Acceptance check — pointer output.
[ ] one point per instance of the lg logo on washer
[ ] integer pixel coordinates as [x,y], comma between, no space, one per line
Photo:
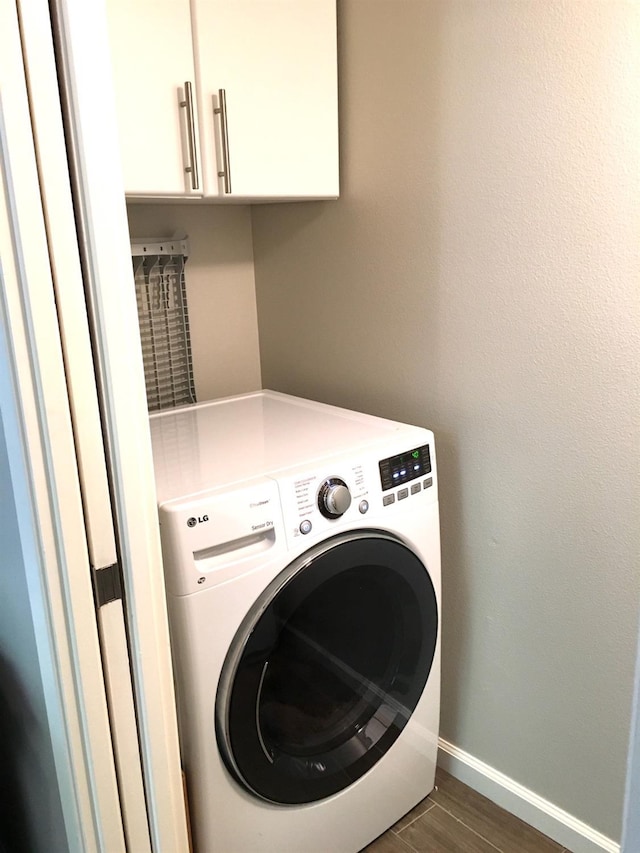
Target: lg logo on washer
[191,522]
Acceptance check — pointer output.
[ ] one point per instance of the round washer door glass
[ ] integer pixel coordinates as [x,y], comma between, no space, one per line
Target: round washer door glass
[327,668]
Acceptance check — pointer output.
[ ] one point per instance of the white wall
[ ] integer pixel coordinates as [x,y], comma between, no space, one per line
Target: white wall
[480,275]
[220,290]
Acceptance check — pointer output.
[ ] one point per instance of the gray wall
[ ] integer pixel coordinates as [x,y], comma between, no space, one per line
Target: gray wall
[31,816]
[480,275]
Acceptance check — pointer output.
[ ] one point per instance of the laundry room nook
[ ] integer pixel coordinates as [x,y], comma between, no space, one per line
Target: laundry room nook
[459,283]
[473,278]
[330,308]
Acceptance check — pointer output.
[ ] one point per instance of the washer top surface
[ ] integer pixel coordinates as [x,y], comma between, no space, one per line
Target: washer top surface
[209,445]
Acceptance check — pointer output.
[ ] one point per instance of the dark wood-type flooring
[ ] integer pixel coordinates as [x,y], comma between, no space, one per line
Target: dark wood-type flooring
[455,819]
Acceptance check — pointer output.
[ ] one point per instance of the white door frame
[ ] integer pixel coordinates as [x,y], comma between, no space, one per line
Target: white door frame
[631,816]
[81,32]
[51,155]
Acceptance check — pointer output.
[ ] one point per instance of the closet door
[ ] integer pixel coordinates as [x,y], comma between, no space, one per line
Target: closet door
[44,485]
[96,326]
[153,73]
[267,82]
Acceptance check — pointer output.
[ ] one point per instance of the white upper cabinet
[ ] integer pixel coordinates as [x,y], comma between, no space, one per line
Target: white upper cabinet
[153,70]
[276,131]
[264,119]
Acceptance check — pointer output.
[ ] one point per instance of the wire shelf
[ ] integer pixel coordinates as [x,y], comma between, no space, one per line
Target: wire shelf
[163,317]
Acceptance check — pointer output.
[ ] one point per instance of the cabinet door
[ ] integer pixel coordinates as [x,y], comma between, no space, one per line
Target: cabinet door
[152,58]
[276,62]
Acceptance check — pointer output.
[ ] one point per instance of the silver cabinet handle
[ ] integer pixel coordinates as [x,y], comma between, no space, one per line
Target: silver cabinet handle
[221,110]
[192,168]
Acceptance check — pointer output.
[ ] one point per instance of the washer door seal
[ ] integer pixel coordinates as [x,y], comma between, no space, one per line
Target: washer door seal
[327,668]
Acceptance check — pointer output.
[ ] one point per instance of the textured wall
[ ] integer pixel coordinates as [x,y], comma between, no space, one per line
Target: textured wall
[480,275]
[220,290]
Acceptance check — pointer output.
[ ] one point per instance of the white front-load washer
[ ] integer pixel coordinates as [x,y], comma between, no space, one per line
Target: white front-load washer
[302,562]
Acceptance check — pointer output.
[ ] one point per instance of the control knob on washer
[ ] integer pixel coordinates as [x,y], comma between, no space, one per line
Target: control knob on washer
[334,498]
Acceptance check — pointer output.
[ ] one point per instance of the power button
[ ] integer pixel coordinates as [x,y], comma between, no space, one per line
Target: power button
[363,506]
[305,526]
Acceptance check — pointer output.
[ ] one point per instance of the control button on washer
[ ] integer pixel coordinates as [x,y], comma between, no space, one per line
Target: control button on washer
[363,506]
[305,526]
[415,488]
[402,494]
[388,499]
[428,482]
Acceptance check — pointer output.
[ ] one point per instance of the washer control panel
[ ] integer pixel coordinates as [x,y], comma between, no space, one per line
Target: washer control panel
[334,497]
[402,494]
[314,501]
[343,490]
[404,467]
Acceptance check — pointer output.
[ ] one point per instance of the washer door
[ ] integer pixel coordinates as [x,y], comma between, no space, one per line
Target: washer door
[327,668]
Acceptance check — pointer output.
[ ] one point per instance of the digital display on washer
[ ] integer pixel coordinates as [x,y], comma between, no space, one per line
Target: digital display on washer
[404,467]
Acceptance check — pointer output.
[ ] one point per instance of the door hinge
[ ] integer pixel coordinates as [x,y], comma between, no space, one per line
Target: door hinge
[106,584]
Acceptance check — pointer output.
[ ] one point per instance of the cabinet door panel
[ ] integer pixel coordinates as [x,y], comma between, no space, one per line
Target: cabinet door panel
[276,61]
[152,55]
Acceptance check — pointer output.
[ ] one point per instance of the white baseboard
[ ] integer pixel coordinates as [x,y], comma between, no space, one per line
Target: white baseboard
[559,825]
